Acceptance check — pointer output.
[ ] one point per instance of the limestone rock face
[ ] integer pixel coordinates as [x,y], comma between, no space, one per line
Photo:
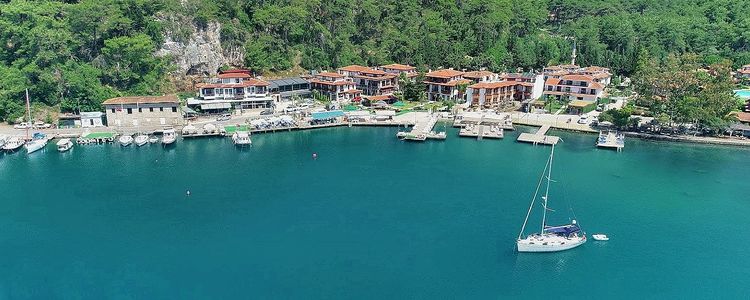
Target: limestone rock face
[196,51]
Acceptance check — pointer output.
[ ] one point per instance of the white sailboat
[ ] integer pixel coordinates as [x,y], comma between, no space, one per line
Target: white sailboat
[39,140]
[125,140]
[64,145]
[37,143]
[169,136]
[551,238]
[241,138]
[141,140]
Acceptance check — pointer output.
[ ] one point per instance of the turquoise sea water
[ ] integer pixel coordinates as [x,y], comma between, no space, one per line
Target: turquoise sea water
[371,218]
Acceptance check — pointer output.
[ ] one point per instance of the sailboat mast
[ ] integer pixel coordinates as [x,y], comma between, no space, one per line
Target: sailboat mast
[28,111]
[546,193]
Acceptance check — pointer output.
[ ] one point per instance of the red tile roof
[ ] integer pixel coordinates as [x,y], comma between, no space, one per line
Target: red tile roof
[380,97]
[574,77]
[330,74]
[234,75]
[444,73]
[743,117]
[326,82]
[142,100]
[478,74]
[354,68]
[399,67]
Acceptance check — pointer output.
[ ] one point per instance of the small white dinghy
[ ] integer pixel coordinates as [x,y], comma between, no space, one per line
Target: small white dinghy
[600,237]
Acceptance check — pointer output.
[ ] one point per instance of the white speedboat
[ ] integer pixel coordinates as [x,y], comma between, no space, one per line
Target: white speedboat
[169,136]
[35,145]
[241,138]
[153,140]
[141,140]
[600,237]
[125,140]
[64,145]
[551,238]
[13,143]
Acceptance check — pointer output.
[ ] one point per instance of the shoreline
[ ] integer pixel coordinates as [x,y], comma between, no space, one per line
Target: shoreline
[568,127]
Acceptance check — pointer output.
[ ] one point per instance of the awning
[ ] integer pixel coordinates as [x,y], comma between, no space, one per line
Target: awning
[223,105]
[327,115]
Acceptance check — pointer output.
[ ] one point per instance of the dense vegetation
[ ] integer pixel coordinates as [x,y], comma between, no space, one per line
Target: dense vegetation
[74,54]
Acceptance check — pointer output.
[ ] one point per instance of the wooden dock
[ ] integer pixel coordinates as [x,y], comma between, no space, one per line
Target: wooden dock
[422,130]
[611,140]
[482,131]
[539,137]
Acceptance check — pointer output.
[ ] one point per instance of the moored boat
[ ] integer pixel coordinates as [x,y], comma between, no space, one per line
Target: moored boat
[600,237]
[37,143]
[141,140]
[169,136]
[125,140]
[241,138]
[13,143]
[550,238]
[64,145]
[153,140]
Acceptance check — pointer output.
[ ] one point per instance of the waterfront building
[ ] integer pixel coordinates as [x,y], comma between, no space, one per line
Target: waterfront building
[535,79]
[286,88]
[85,119]
[598,74]
[140,111]
[370,81]
[501,90]
[232,89]
[335,86]
[445,85]
[573,87]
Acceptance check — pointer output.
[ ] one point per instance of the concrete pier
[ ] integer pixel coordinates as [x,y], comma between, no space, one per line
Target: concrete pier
[539,137]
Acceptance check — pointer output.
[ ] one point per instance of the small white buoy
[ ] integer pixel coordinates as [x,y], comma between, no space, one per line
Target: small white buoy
[315,155]
[188,192]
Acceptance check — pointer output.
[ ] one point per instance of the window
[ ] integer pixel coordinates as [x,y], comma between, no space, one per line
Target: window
[174,109]
[130,110]
[140,109]
[151,109]
[161,108]
[113,110]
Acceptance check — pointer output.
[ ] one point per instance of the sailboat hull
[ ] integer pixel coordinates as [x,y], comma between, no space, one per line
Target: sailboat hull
[548,243]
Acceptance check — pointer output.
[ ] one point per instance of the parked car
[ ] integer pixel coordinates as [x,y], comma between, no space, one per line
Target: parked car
[266,112]
[22,125]
[224,117]
[583,120]
[41,125]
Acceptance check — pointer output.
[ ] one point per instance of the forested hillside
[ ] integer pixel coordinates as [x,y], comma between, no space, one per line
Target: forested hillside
[78,53]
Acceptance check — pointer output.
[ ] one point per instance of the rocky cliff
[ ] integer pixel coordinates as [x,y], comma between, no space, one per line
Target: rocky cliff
[196,51]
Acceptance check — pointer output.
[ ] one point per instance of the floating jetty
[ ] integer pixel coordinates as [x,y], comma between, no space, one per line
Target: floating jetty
[502,121]
[422,131]
[482,131]
[611,140]
[97,138]
[539,137]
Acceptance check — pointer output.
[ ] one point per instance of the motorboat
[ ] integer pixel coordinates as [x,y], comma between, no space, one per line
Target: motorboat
[169,136]
[141,140]
[64,145]
[600,237]
[153,140]
[37,143]
[241,138]
[3,138]
[550,238]
[125,140]
[13,143]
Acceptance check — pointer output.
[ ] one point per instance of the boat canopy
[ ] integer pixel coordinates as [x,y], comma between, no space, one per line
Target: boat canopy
[564,229]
